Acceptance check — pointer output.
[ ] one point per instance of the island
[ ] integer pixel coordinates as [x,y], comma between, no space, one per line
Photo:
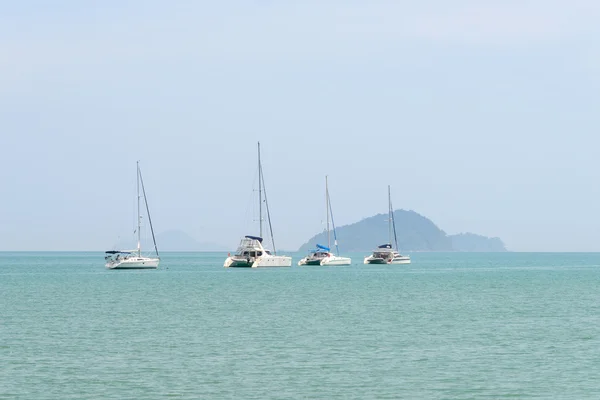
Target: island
[414,233]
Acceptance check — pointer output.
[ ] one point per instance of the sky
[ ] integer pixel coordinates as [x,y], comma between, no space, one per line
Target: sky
[483,116]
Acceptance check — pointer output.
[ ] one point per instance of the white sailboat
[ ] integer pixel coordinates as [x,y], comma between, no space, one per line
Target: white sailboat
[385,253]
[322,255]
[250,252]
[315,256]
[133,259]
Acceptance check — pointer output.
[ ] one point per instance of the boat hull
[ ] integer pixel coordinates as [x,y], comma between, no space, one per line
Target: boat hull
[258,262]
[395,260]
[232,262]
[335,260]
[306,261]
[142,263]
[273,261]
[374,260]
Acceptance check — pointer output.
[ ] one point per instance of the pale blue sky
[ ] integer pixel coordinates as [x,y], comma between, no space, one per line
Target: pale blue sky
[483,116]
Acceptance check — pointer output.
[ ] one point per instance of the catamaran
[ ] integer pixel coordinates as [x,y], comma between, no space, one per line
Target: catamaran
[250,252]
[133,259]
[322,254]
[315,256]
[385,253]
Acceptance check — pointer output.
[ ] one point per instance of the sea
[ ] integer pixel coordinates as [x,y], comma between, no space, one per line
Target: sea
[447,326]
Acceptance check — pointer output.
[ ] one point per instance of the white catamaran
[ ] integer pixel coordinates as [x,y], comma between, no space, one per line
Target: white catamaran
[385,253]
[251,253]
[133,259]
[322,255]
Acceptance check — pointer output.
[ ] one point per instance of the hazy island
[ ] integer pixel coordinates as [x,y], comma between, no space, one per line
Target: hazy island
[414,231]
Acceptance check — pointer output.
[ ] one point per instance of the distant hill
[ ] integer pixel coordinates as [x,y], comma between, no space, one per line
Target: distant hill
[473,242]
[174,240]
[415,233]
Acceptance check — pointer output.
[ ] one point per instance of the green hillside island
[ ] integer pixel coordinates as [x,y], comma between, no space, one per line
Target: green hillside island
[415,233]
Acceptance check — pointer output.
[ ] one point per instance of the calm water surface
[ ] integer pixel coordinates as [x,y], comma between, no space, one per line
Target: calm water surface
[449,326]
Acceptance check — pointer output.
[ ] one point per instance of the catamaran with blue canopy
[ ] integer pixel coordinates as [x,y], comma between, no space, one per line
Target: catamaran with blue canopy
[322,255]
[315,256]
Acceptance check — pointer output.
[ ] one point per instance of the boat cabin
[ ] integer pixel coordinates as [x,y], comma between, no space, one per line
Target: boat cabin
[384,251]
[251,246]
[117,255]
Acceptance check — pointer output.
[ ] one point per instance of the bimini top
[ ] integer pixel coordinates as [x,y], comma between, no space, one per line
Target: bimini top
[117,252]
[385,246]
[321,247]
[254,238]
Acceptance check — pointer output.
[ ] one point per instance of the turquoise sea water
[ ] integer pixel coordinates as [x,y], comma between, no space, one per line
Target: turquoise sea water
[448,326]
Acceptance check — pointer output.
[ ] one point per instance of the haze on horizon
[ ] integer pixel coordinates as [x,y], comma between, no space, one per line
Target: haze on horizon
[484,117]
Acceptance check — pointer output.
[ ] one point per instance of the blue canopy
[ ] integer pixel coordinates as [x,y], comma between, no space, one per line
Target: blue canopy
[117,252]
[323,247]
[255,238]
[385,246]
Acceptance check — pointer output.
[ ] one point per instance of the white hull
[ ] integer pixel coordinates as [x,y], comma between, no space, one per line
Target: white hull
[309,261]
[134,263]
[313,259]
[267,260]
[232,262]
[401,260]
[395,260]
[335,260]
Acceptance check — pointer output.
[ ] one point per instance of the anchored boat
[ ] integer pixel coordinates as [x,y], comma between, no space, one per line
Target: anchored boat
[133,259]
[385,253]
[322,255]
[250,252]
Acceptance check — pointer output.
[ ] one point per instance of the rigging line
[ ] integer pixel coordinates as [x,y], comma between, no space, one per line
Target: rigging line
[260,182]
[261,177]
[333,224]
[148,211]
[394,225]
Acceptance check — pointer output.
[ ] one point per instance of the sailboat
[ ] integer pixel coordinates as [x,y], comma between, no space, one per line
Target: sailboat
[250,252]
[322,254]
[133,259]
[316,255]
[385,253]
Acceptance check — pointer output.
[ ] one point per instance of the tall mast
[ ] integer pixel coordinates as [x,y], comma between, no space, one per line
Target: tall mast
[390,213]
[139,217]
[260,220]
[261,189]
[330,215]
[327,208]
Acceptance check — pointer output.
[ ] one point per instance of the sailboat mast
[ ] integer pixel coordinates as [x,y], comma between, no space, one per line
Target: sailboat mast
[390,213]
[139,217]
[327,208]
[263,188]
[260,220]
